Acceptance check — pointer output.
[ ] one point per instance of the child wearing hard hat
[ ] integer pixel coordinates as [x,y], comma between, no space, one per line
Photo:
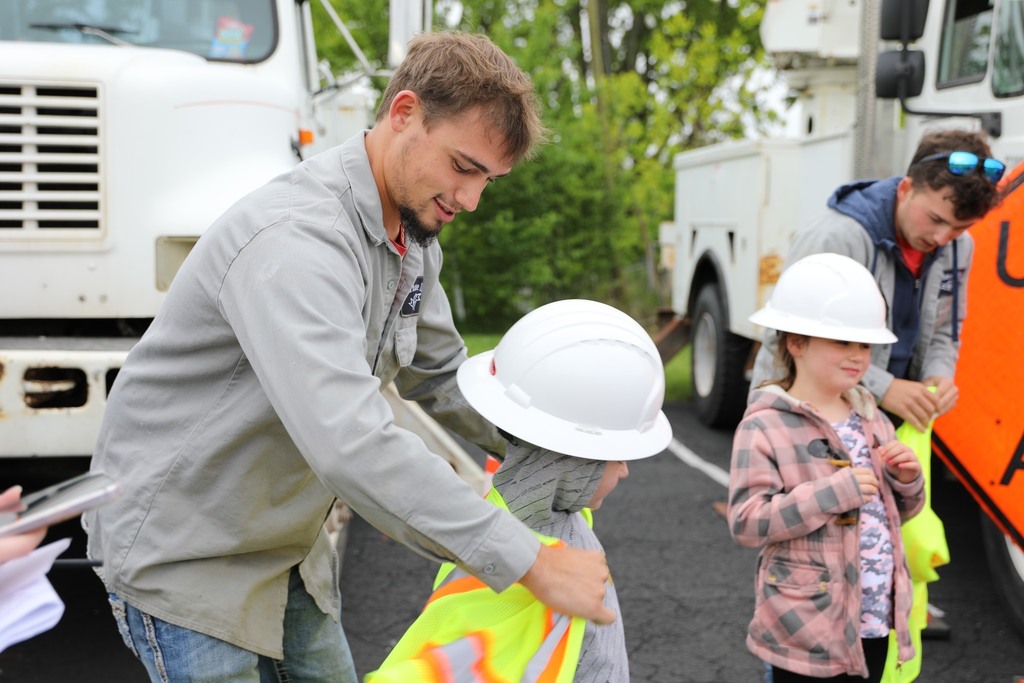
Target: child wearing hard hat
[577,388]
[819,483]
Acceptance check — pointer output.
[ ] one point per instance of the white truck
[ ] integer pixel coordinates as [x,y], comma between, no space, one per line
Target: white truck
[126,128]
[868,77]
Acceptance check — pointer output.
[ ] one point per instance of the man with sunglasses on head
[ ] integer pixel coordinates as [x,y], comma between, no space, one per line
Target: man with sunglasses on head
[911,232]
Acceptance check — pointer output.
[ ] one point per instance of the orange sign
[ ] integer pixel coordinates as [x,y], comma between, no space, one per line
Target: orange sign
[982,438]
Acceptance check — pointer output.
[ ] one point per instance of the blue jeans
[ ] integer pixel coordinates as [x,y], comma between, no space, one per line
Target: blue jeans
[315,648]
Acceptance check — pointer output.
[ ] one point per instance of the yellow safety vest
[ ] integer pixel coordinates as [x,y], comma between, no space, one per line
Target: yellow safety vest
[924,543]
[467,633]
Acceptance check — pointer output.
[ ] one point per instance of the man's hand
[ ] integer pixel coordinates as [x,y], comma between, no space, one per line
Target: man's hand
[571,581]
[946,392]
[913,402]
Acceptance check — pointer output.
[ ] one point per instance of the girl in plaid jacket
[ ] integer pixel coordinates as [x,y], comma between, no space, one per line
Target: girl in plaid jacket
[819,484]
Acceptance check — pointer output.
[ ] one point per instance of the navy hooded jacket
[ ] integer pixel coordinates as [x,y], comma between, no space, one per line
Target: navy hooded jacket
[872,203]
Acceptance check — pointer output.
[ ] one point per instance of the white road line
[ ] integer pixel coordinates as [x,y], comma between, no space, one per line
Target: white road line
[698,463]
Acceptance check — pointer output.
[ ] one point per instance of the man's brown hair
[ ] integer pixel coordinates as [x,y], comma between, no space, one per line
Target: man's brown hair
[454,72]
[974,195]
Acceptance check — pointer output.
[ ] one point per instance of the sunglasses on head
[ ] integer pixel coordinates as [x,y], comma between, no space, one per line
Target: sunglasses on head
[962,163]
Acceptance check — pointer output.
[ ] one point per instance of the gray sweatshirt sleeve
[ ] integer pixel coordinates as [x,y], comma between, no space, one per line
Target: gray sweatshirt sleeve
[294,298]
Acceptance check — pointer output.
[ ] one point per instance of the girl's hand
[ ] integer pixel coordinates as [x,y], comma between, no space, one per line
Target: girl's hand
[10,500]
[867,482]
[22,544]
[900,461]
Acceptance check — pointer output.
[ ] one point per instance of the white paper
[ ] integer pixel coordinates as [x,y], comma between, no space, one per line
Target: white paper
[28,604]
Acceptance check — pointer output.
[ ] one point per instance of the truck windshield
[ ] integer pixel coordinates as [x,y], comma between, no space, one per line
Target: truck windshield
[232,30]
[1008,61]
[966,32]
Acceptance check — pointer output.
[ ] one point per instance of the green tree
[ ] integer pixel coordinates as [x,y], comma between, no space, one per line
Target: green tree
[624,87]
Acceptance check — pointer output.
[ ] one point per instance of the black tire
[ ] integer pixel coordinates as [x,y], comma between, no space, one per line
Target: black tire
[1006,564]
[717,362]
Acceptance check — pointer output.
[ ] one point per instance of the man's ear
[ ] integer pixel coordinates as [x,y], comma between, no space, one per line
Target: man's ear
[904,188]
[404,108]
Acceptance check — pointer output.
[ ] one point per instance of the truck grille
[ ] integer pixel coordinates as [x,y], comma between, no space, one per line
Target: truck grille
[49,158]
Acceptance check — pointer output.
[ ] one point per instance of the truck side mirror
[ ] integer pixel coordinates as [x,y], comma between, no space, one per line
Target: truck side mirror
[902,20]
[899,74]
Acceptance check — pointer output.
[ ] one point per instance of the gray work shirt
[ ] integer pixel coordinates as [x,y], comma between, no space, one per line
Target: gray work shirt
[254,400]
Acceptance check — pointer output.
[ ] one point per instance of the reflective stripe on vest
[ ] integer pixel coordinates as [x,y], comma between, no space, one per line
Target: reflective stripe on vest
[467,633]
[457,661]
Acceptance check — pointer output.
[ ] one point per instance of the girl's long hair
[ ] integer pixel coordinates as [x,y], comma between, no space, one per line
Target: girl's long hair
[784,359]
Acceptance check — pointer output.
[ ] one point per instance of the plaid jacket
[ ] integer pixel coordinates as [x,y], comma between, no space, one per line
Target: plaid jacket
[790,495]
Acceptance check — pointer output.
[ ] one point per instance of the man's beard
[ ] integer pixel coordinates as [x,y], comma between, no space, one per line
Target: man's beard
[415,230]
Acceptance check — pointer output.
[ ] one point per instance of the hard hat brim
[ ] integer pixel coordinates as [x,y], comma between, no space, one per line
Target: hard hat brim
[490,398]
[777,320]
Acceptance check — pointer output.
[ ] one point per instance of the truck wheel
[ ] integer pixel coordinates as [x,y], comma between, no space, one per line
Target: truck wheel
[717,362]
[1006,564]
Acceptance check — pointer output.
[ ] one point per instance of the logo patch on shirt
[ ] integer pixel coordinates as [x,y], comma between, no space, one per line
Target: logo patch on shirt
[412,300]
[946,285]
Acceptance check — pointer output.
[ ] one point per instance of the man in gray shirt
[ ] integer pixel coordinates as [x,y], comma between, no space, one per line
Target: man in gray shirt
[253,400]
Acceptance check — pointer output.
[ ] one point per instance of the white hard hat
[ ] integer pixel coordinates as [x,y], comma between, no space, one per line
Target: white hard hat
[576,377]
[829,296]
